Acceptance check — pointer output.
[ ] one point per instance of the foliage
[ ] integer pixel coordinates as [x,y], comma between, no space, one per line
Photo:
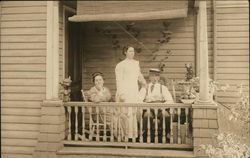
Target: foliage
[166,37]
[134,33]
[229,146]
[65,89]
[108,33]
[191,85]
[240,110]
[189,71]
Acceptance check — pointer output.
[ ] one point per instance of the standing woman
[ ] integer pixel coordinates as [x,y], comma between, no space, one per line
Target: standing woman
[128,74]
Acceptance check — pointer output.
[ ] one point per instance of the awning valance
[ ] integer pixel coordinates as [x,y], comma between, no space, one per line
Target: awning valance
[129,10]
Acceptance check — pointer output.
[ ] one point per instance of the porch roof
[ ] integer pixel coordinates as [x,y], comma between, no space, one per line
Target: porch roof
[129,10]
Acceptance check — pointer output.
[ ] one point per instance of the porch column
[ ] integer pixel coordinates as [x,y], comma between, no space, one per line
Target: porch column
[204,111]
[52,121]
[203,52]
[52,56]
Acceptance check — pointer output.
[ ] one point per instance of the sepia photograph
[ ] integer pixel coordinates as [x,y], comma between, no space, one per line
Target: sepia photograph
[124,78]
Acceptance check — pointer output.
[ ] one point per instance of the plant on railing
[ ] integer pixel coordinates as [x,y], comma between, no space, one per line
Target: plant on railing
[65,89]
[190,72]
[188,94]
[191,86]
[228,146]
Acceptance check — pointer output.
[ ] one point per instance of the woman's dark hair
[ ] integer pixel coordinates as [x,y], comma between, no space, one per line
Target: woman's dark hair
[125,49]
[96,74]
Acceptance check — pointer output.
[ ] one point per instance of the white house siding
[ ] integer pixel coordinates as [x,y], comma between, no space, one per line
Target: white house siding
[23,57]
[232,20]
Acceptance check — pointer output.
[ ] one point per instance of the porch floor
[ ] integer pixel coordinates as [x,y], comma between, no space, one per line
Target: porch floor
[77,152]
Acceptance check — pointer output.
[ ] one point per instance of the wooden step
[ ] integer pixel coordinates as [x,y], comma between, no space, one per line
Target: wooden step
[89,152]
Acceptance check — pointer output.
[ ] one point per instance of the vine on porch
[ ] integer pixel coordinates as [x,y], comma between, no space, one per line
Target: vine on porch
[135,33]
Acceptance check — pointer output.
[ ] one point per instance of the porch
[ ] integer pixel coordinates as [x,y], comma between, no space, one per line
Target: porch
[79,129]
[90,126]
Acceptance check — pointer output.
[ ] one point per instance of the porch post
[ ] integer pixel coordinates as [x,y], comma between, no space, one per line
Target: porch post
[203,53]
[52,121]
[52,56]
[204,111]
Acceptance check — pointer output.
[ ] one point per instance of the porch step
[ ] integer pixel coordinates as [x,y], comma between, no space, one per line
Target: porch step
[97,152]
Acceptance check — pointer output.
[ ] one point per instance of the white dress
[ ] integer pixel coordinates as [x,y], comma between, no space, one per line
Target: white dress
[127,76]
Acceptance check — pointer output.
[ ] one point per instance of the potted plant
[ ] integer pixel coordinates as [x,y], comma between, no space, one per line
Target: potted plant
[188,94]
[65,89]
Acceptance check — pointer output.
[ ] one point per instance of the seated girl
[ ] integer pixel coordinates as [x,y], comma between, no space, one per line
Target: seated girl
[98,93]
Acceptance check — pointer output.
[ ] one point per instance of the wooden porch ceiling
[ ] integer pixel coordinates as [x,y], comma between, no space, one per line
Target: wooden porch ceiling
[129,10]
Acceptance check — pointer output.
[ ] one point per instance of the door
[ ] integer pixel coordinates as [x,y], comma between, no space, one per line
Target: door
[73,56]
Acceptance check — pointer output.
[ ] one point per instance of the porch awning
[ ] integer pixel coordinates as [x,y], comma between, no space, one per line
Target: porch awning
[129,10]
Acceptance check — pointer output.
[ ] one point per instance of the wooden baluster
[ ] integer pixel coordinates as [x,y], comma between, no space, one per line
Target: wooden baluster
[69,130]
[134,123]
[126,136]
[83,123]
[90,124]
[119,125]
[141,125]
[76,123]
[66,122]
[97,124]
[112,124]
[148,123]
[163,126]
[179,125]
[171,126]
[187,124]
[156,125]
[105,124]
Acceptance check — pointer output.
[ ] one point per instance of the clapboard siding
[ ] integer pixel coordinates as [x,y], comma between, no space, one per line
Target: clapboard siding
[35,75]
[17,155]
[20,111]
[21,53]
[23,63]
[20,127]
[232,46]
[23,67]
[21,24]
[24,10]
[23,104]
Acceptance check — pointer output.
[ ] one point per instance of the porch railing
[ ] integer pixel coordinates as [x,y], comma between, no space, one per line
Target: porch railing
[107,124]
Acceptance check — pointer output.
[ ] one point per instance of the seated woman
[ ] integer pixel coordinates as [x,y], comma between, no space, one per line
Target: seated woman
[98,93]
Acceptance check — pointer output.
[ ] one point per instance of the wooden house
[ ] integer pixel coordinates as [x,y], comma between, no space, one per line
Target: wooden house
[43,42]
